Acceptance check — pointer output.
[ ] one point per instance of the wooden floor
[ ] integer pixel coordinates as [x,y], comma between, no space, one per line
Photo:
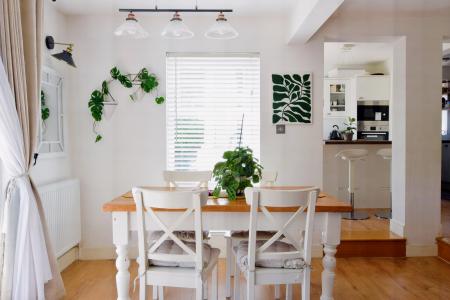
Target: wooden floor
[356,278]
[445,217]
[372,228]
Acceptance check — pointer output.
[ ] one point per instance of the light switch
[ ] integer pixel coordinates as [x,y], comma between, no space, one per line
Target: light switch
[281,129]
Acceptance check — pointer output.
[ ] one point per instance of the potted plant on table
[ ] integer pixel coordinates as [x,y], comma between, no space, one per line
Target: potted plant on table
[239,170]
[349,129]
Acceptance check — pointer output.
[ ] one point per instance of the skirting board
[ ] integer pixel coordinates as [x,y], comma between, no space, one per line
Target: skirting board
[421,250]
[110,253]
[67,258]
[397,227]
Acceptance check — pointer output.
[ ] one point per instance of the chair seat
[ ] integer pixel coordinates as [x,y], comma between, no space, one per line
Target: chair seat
[243,235]
[183,277]
[352,154]
[241,253]
[184,235]
[170,247]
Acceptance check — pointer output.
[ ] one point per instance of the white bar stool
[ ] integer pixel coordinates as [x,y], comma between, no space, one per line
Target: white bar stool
[386,153]
[352,156]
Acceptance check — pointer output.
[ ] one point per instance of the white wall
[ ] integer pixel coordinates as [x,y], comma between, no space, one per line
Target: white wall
[56,168]
[133,150]
[134,140]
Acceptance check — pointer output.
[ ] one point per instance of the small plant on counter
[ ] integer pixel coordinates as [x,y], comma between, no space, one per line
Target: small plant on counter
[143,81]
[350,128]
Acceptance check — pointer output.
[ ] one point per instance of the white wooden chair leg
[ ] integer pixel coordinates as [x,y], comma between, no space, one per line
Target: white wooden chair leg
[277,291]
[160,292]
[236,283]
[229,255]
[214,294]
[142,288]
[251,286]
[205,289]
[288,291]
[306,284]
[199,288]
[155,292]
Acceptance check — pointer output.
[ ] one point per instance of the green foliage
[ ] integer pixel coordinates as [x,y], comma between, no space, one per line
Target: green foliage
[45,111]
[239,170]
[350,125]
[291,98]
[144,80]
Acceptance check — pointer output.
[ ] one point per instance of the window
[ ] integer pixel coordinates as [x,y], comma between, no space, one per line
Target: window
[207,96]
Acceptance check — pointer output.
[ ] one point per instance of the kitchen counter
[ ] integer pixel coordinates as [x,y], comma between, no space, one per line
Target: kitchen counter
[356,142]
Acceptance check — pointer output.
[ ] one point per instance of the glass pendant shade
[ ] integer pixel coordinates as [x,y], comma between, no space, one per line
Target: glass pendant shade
[221,29]
[176,29]
[131,28]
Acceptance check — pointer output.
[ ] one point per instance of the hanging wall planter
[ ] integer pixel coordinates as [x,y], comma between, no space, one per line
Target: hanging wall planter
[102,103]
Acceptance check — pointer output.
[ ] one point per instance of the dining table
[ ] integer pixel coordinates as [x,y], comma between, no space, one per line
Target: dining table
[223,214]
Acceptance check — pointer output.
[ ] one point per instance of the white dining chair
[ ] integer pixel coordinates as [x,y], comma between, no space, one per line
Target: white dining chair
[233,238]
[187,178]
[170,261]
[274,261]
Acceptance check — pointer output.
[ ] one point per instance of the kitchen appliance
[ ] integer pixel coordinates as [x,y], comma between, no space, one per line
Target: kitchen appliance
[373,120]
[373,110]
[373,130]
[335,134]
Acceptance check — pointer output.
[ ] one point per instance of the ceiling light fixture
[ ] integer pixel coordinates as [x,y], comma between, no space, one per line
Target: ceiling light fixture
[131,28]
[176,29]
[65,55]
[221,29]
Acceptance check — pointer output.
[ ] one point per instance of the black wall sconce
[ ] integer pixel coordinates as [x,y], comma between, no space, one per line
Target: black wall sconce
[65,55]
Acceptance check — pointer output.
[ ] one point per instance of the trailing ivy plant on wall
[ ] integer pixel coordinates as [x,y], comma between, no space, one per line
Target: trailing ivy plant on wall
[45,111]
[143,80]
[291,98]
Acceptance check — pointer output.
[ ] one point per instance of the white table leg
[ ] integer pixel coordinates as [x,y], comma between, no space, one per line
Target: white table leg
[330,239]
[120,239]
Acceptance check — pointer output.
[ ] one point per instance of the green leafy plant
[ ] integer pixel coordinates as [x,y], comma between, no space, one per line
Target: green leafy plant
[350,126]
[291,98]
[143,80]
[239,170]
[45,111]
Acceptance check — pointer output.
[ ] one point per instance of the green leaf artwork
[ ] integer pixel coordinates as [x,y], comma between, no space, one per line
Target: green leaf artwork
[291,98]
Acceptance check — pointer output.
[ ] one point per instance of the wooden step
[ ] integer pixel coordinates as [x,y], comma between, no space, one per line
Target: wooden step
[372,248]
[444,248]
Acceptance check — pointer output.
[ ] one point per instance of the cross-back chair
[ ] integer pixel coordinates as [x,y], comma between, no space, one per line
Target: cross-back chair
[184,178]
[168,260]
[273,261]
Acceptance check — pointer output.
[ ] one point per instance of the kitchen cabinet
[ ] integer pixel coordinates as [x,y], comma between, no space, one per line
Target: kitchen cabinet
[337,94]
[374,87]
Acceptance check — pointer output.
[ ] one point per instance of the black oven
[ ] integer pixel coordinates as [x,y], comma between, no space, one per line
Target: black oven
[373,111]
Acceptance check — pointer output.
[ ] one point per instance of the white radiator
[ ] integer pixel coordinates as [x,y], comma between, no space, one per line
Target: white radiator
[61,202]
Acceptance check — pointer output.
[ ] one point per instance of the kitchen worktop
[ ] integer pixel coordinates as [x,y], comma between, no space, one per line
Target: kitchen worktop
[358,142]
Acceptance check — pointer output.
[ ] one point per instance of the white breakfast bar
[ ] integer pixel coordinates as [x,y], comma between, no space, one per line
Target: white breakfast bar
[222,214]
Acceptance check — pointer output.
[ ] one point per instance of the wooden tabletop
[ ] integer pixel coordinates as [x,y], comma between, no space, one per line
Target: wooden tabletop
[325,203]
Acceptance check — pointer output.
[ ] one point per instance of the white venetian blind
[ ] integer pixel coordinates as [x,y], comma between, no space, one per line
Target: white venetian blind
[207,95]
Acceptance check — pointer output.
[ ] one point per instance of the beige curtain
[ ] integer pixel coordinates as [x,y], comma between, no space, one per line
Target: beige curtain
[20,49]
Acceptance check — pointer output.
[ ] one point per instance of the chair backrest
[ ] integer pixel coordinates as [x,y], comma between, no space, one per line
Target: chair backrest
[191,200]
[187,178]
[268,178]
[261,198]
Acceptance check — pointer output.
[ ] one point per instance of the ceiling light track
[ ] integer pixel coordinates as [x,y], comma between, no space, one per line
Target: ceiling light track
[158,10]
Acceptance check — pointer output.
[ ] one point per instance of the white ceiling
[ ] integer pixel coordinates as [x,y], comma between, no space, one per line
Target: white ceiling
[361,54]
[240,7]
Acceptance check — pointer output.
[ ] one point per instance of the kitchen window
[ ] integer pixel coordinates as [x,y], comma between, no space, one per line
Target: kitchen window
[207,97]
